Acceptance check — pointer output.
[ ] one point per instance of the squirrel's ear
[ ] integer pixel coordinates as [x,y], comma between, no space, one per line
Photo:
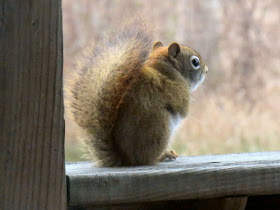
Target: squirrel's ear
[157,44]
[173,49]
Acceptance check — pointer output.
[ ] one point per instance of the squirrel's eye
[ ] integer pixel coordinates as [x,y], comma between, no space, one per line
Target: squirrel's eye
[195,62]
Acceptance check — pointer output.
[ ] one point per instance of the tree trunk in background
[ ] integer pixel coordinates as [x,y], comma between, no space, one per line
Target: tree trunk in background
[32,174]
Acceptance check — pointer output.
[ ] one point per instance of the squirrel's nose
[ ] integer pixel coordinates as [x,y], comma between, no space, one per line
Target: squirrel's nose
[206,69]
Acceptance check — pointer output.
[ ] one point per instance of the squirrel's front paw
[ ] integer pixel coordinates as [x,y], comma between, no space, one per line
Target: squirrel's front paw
[170,155]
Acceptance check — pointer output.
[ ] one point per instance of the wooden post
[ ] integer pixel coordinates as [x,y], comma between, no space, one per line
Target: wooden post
[32,174]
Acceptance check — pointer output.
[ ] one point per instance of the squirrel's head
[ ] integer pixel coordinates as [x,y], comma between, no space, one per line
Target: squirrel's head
[187,61]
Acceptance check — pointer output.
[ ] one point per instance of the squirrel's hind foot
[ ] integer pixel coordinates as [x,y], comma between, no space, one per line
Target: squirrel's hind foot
[170,155]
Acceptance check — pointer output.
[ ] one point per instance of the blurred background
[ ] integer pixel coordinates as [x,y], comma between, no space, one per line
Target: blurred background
[237,108]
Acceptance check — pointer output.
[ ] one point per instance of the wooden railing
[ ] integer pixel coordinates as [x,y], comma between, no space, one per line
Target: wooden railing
[234,176]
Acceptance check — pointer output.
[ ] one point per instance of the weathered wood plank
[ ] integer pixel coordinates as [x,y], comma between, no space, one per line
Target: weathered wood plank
[186,178]
[32,174]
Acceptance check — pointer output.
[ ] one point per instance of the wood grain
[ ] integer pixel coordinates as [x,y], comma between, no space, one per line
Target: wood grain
[32,119]
[186,178]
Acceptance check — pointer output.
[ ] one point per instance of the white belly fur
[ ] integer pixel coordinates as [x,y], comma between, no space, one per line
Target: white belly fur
[174,123]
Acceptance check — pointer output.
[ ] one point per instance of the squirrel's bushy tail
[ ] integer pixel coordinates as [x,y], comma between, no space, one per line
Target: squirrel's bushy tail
[96,88]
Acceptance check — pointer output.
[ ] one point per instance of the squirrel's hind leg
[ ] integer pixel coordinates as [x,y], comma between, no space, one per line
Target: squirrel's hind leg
[143,138]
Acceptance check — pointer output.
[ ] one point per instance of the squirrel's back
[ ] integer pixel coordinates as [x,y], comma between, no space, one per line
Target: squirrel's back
[97,87]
